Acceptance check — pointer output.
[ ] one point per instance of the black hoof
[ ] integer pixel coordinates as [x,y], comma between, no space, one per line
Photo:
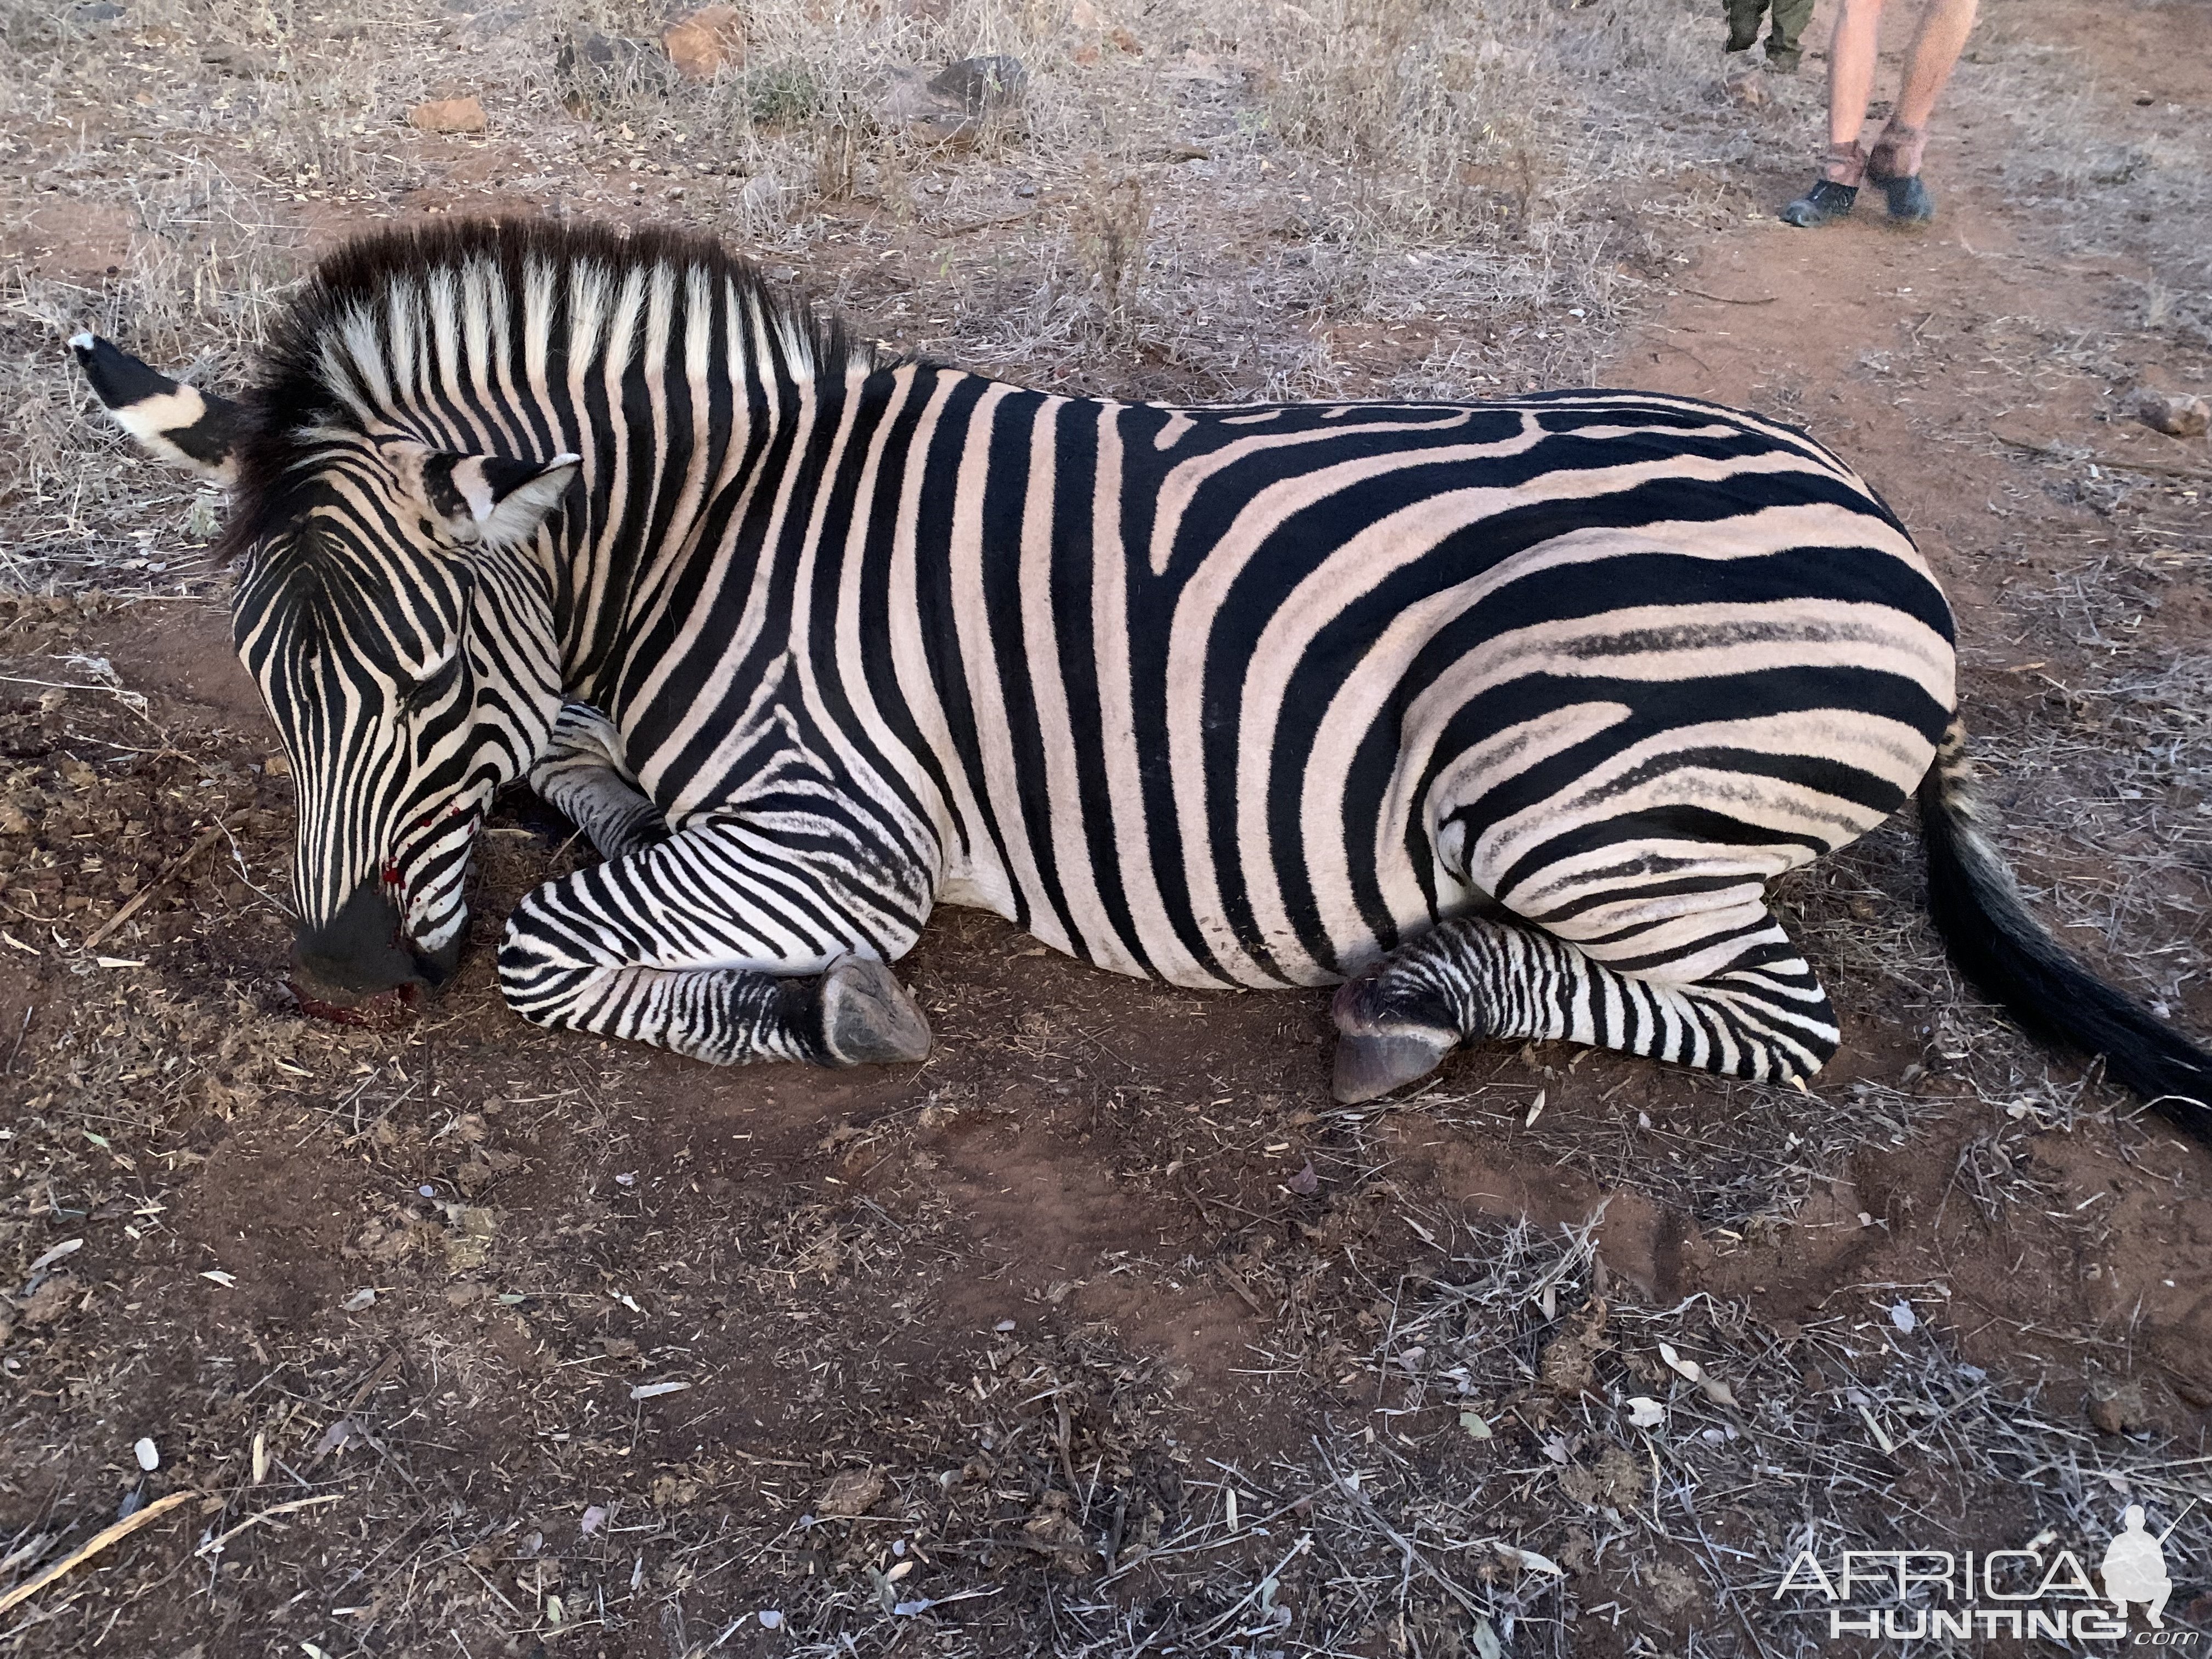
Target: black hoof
[868,1019]
[1386,1038]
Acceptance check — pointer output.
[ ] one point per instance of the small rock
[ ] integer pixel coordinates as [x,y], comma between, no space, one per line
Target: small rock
[1748,91]
[231,57]
[602,52]
[448,115]
[2178,416]
[907,105]
[463,1291]
[594,65]
[501,19]
[706,42]
[850,1492]
[2119,1408]
[99,11]
[981,84]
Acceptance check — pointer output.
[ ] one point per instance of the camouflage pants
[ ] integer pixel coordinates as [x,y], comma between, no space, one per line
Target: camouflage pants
[1790,17]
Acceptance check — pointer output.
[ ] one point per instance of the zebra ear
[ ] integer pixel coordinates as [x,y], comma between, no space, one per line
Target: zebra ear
[493,501]
[180,424]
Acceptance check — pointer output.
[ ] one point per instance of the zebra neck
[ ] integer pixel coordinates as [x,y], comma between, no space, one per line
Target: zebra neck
[712,525]
[683,484]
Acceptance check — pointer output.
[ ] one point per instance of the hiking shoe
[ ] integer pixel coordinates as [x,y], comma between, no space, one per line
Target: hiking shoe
[1827,200]
[1909,204]
[1742,42]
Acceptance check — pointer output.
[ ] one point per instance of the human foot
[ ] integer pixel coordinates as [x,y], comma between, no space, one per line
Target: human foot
[1834,192]
[1827,200]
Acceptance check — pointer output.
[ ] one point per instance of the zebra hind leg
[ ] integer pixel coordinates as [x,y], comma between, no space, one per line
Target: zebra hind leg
[582,776]
[1760,1015]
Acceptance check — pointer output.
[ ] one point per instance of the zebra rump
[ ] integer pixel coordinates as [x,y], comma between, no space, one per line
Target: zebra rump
[1497,715]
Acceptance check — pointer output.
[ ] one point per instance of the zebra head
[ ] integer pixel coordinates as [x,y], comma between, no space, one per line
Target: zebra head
[394,606]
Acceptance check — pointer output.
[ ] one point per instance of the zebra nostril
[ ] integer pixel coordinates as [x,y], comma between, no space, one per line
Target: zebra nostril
[359,952]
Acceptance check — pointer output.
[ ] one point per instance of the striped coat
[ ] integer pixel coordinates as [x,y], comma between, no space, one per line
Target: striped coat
[1503,713]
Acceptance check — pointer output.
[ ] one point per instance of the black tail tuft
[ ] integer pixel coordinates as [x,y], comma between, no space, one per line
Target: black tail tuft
[2011,958]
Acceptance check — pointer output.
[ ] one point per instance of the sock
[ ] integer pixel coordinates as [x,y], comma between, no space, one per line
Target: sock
[1896,153]
[1844,164]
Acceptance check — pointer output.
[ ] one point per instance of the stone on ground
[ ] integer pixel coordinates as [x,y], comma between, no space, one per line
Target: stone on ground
[448,115]
[706,42]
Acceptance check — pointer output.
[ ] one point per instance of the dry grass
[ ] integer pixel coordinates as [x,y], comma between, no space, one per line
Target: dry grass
[1256,200]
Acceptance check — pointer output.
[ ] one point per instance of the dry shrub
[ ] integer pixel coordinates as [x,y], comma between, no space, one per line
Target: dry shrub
[1108,237]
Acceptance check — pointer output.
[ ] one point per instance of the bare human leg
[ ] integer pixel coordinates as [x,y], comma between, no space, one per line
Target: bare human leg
[1895,161]
[1852,50]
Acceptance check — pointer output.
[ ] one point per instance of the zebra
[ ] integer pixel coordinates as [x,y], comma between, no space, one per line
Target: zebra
[1498,716]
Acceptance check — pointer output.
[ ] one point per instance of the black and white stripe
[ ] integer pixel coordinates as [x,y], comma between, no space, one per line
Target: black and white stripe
[1506,713]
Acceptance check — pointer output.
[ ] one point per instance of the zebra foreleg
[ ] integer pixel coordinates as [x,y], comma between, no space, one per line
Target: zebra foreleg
[582,776]
[855,1014]
[643,948]
[1763,1016]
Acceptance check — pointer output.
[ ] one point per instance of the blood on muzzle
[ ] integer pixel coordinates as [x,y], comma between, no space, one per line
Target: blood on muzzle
[363,953]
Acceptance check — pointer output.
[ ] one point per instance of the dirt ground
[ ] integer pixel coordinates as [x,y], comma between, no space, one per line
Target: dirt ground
[1103,1331]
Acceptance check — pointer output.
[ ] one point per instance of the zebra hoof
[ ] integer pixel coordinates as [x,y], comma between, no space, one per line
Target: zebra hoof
[868,1019]
[1368,1067]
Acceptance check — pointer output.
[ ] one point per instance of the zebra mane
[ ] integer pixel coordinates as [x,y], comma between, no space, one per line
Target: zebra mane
[316,370]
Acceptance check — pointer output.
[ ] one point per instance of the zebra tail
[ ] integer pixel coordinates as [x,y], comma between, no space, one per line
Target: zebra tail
[2012,959]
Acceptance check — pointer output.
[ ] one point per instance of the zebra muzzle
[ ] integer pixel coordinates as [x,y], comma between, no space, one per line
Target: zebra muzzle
[358,967]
